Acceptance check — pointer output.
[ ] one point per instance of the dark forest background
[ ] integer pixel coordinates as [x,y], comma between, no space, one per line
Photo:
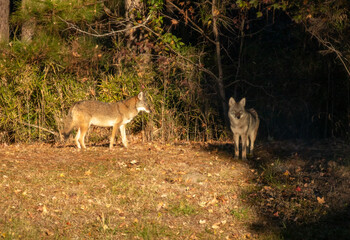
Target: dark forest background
[289,59]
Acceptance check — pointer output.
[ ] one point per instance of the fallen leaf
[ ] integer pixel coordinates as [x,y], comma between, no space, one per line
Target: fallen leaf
[248,236]
[320,200]
[202,221]
[298,189]
[159,206]
[133,162]
[174,22]
[42,209]
[123,224]
[222,199]
[105,227]
[215,225]
[286,173]
[193,236]
[213,201]
[17,191]
[48,232]
[75,54]
[45,210]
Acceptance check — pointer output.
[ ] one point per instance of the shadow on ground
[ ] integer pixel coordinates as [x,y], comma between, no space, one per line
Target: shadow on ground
[301,188]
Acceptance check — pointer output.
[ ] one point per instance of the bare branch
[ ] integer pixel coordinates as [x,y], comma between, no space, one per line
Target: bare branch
[112,33]
[330,47]
[250,84]
[196,27]
[41,128]
[183,57]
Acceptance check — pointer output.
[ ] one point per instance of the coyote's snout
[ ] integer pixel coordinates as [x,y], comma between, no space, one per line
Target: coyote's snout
[117,114]
[244,125]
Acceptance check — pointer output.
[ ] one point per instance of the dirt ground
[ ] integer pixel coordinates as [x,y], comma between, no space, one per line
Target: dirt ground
[288,190]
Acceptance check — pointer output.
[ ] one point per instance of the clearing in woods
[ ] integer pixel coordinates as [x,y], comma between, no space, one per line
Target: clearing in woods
[170,191]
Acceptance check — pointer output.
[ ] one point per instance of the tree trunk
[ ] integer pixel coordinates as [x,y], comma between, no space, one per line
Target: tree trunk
[28,27]
[220,84]
[131,6]
[4,20]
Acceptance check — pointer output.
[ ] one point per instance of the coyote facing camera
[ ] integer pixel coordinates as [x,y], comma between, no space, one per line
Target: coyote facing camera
[244,125]
[116,114]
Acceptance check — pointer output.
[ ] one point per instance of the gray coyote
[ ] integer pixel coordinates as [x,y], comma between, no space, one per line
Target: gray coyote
[244,125]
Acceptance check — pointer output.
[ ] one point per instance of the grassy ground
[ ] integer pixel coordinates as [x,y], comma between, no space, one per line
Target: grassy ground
[170,191]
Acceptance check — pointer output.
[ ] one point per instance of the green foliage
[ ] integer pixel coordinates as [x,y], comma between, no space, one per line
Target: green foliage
[240,214]
[50,12]
[173,41]
[44,50]
[242,4]
[148,230]
[43,78]
[34,98]
[61,65]
[182,208]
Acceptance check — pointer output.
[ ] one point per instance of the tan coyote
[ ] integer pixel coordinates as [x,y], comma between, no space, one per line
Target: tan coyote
[244,124]
[116,114]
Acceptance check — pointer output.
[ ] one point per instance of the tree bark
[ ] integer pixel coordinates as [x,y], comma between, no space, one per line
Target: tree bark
[28,27]
[4,20]
[130,7]
[220,83]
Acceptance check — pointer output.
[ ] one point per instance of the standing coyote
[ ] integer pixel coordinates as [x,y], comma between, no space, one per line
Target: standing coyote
[116,114]
[244,124]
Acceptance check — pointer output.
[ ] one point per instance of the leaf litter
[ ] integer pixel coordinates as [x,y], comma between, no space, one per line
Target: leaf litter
[161,190]
[166,191]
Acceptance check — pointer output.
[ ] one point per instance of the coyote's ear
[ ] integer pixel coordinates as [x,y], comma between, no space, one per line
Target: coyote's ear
[231,101]
[242,102]
[141,95]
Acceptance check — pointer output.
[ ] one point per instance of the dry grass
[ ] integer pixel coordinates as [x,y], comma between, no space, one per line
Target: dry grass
[174,191]
[150,191]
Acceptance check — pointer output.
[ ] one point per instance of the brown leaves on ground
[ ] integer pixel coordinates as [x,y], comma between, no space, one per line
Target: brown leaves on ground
[303,184]
[173,191]
[149,191]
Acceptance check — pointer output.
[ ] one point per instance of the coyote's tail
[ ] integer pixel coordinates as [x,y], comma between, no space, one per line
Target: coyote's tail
[255,114]
[68,125]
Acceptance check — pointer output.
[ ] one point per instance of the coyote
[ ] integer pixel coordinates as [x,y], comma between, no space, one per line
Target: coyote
[244,124]
[117,114]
